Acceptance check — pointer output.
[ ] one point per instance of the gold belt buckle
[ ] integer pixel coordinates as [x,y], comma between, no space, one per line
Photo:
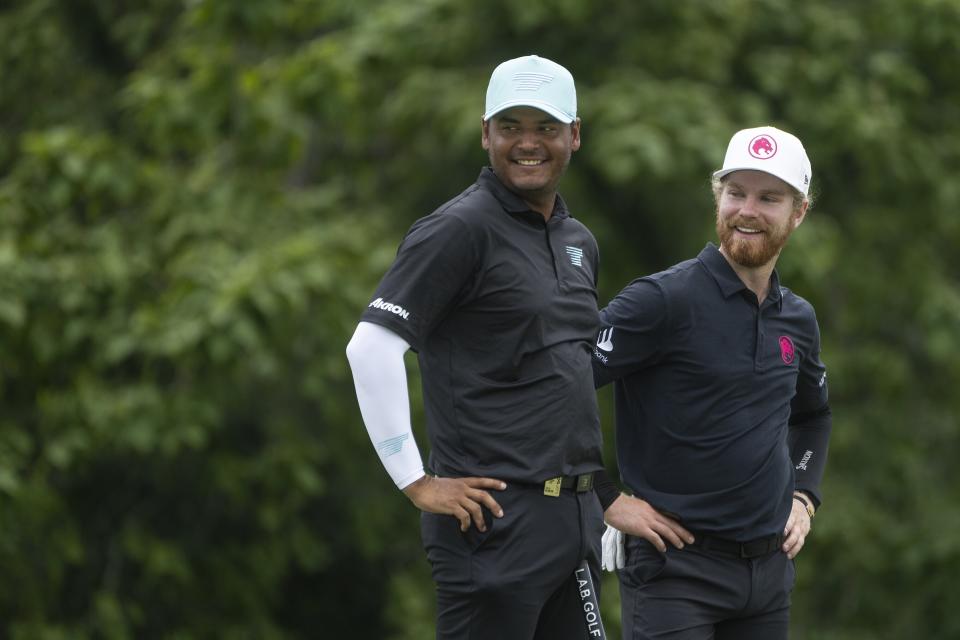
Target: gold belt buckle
[552,487]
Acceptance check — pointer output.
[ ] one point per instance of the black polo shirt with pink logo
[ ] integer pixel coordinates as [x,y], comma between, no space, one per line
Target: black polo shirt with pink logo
[501,308]
[721,402]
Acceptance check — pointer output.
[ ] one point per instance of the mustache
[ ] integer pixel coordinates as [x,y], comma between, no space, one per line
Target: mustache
[750,224]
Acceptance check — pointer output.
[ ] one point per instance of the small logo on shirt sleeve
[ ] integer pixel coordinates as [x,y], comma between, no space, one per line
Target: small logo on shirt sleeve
[605,339]
[576,255]
[604,342]
[395,309]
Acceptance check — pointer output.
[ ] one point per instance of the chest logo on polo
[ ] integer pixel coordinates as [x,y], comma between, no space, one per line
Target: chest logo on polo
[576,255]
[787,351]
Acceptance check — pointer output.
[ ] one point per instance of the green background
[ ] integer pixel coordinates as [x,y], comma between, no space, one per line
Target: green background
[197,198]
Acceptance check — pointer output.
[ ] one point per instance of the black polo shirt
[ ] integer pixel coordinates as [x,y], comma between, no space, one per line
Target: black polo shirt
[708,384]
[501,308]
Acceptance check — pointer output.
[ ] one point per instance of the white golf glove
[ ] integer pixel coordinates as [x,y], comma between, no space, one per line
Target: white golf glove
[614,556]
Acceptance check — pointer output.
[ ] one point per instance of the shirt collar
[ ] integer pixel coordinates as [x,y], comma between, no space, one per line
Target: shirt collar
[511,202]
[728,280]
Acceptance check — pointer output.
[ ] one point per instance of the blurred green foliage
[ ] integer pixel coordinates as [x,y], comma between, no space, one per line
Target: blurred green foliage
[197,198]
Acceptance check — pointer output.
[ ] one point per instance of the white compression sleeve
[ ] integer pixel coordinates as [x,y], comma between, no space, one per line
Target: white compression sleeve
[376,359]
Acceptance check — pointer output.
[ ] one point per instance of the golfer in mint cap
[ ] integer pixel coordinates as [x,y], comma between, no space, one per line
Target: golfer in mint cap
[496,293]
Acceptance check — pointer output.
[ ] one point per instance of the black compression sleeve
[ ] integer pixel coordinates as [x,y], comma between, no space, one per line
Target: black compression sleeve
[808,438]
[606,488]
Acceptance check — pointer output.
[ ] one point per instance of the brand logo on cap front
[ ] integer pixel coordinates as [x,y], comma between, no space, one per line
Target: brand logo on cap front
[787,352]
[531,81]
[763,147]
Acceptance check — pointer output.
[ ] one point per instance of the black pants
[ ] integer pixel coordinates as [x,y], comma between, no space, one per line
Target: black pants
[515,581]
[692,594]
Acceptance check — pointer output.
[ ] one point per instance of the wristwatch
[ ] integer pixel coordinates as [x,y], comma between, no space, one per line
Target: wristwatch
[797,495]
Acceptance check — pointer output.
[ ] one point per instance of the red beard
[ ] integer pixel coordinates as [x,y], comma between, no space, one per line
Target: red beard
[752,252]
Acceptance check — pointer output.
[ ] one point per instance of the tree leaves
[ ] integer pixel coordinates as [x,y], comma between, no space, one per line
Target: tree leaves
[197,200]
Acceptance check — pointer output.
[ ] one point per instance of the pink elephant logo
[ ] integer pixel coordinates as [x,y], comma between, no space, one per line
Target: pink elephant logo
[787,351]
[763,147]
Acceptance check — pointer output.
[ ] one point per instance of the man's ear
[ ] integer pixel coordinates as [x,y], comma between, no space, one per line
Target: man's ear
[485,133]
[802,214]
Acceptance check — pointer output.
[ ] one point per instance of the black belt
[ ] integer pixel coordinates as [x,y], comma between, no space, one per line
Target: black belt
[749,549]
[580,484]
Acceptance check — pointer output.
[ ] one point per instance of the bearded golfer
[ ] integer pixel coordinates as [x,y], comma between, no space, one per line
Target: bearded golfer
[722,419]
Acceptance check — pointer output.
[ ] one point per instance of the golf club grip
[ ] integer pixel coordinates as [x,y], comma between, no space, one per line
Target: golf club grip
[589,604]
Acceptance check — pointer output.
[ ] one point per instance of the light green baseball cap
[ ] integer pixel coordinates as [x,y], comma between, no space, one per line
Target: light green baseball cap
[532,81]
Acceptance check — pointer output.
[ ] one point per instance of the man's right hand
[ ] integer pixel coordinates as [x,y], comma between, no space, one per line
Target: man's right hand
[636,517]
[459,497]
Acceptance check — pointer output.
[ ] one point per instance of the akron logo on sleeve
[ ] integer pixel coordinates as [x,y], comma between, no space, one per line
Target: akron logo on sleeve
[395,309]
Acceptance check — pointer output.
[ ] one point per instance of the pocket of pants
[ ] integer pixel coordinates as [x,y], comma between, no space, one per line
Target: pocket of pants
[643,562]
[475,538]
[442,530]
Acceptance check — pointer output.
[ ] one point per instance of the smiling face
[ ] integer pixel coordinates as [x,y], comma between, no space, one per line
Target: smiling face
[529,151]
[756,214]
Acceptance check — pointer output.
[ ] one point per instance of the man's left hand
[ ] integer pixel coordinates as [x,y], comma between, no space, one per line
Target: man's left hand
[795,533]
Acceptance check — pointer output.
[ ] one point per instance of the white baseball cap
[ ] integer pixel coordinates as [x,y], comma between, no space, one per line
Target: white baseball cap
[532,81]
[772,151]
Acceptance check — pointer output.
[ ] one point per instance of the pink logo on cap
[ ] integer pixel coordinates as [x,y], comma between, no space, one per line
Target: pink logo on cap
[763,147]
[787,352]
